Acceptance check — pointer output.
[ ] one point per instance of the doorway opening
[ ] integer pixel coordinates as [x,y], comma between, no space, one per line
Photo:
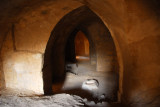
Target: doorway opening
[77,54]
[81,46]
[80,58]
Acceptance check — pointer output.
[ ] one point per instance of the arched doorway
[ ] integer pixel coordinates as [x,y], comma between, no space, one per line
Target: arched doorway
[81,45]
[77,54]
[102,54]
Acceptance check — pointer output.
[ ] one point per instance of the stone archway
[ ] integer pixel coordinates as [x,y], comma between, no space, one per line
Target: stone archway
[83,19]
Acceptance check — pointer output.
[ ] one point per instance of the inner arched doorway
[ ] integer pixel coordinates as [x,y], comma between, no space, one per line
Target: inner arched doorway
[102,54]
[77,54]
[81,46]
[77,47]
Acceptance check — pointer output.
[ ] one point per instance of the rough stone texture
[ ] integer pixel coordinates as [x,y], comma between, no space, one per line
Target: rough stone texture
[143,42]
[113,15]
[59,100]
[2,81]
[3,33]
[35,25]
[140,59]
[104,46]
[134,26]
[97,34]
[21,68]
[30,35]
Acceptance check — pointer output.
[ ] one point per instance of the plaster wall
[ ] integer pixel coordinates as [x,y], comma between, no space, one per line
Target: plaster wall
[106,57]
[143,36]
[24,44]
[134,26]
[21,68]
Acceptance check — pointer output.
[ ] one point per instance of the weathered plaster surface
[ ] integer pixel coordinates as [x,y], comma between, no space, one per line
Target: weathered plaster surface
[134,26]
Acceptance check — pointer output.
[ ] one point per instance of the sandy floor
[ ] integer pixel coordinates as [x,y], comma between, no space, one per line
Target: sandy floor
[58,100]
[107,87]
[71,93]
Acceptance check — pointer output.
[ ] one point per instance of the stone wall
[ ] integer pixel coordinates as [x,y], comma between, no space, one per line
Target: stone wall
[133,24]
[103,44]
[97,34]
[25,42]
[141,84]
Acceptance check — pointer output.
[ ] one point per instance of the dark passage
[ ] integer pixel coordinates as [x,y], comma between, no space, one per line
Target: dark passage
[84,62]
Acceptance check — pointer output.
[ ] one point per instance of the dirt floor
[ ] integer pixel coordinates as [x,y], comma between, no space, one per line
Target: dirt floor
[58,100]
[101,91]
[106,84]
[105,91]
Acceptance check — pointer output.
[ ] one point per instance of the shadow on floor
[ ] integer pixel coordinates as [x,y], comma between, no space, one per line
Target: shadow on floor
[84,94]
